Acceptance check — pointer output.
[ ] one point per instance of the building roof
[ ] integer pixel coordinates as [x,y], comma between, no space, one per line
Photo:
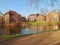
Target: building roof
[12,12]
[42,15]
[34,15]
[52,13]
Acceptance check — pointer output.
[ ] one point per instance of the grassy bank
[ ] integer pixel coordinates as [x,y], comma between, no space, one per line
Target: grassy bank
[42,23]
[13,36]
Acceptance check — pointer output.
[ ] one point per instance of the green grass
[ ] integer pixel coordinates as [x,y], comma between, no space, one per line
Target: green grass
[42,23]
[13,36]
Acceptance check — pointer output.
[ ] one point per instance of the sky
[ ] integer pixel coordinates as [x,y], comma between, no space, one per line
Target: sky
[23,7]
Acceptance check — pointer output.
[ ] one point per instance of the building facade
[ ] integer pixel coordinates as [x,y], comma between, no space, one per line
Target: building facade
[52,17]
[32,17]
[11,16]
[41,18]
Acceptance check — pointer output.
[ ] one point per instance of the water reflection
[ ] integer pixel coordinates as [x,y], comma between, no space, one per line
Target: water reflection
[10,30]
[43,28]
[26,30]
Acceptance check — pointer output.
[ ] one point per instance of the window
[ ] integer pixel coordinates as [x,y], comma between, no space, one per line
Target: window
[55,18]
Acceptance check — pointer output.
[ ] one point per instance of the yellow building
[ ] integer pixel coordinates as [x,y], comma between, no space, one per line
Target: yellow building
[52,17]
[41,18]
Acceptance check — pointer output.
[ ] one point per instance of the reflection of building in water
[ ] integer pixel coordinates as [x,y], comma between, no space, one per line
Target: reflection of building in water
[58,26]
[43,28]
[51,27]
[6,31]
[48,28]
[1,31]
[55,27]
[28,30]
[11,30]
[37,28]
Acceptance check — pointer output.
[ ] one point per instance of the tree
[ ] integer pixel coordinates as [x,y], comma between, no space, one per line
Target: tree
[1,18]
[1,13]
[38,2]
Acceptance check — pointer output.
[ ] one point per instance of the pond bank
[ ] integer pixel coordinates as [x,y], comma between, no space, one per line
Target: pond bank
[7,37]
[13,27]
[47,38]
[43,23]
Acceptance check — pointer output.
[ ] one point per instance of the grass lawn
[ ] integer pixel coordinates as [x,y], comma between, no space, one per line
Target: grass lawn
[42,23]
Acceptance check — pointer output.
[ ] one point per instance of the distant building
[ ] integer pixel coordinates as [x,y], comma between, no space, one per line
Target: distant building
[1,20]
[41,18]
[32,17]
[52,17]
[11,16]
[23,19]
[37,18]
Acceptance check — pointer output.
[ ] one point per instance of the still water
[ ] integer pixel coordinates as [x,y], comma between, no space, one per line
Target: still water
[26,30]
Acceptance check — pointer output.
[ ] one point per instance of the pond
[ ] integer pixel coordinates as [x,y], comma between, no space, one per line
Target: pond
[27,30]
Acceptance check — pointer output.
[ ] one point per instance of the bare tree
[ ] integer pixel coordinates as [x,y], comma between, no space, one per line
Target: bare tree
[1,13]
[38,2]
